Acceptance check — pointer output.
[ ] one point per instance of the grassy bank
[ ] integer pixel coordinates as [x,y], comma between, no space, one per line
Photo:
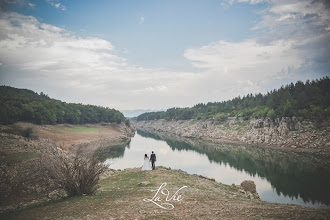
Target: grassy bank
[20,156]
[77,129]
[121,197]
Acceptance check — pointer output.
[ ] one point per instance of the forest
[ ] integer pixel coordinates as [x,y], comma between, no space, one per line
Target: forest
[28,106]
[308,100]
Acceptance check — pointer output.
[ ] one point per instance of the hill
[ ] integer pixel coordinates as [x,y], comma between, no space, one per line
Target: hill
[28,106]
[308,100]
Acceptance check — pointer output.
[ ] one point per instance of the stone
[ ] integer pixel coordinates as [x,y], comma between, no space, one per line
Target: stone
[241,191]
[249,185]
[145,183]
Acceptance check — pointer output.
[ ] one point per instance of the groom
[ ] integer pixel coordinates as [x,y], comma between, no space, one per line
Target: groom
[153,159]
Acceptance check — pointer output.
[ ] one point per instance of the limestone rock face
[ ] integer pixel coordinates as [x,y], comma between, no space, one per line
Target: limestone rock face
[278,132]
[249,185]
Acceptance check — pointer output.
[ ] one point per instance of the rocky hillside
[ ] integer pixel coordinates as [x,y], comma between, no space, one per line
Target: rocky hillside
[281,132]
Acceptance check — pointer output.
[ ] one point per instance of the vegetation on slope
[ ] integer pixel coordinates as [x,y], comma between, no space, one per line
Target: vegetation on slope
[309,100]
[26,105]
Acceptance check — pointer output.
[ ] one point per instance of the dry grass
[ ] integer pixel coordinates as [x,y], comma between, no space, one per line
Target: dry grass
[120,197]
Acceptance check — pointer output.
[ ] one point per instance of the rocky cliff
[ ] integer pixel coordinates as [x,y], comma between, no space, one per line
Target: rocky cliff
[280,132]
[127,130]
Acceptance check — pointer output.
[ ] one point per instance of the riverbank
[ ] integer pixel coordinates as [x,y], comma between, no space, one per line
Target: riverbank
[20,156]
[121,196]
[71,136]
[285,133]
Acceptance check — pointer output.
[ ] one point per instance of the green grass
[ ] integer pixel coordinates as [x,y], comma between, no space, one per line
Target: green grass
[243,123]
[78,129]
[18,157]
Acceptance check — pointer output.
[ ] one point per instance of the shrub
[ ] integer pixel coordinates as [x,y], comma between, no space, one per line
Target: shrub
[28,132]
[24,132]
[220,116]
[77,175]
[271,114]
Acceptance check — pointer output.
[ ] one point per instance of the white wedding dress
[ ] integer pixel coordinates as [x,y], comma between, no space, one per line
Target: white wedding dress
[146,164]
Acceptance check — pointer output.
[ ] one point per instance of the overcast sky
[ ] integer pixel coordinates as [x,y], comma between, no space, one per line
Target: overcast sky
[157,54]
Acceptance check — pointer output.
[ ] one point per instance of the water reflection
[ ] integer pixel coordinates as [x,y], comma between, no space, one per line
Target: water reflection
[112,152]
[284,177]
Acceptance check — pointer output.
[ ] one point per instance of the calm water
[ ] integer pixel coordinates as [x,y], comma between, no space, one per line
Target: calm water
[282,177]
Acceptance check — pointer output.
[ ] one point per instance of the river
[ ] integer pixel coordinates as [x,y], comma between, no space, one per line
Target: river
[280,177]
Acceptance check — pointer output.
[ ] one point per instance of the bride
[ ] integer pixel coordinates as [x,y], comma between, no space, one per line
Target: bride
[146,164]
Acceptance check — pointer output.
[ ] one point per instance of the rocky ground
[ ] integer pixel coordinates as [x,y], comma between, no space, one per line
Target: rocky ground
[285,133]
[19,156]
[132,194]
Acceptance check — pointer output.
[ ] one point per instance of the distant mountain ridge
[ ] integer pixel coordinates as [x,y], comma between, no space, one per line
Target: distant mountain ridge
[137,112]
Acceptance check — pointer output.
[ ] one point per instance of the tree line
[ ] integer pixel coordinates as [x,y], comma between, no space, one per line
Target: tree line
[308,100]
[26,105]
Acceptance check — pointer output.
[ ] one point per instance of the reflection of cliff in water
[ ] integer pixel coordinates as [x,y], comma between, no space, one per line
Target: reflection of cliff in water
[111,152]
[290,173]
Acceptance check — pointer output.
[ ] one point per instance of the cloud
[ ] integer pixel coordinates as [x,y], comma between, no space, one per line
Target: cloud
[160,88]
[247,59]
[126,51]
[293,46]
[56,4]
[56,61]
[305,17]
[141,19]
[4,3]
[306,24]
[252,2]
[43,57]
[31,4]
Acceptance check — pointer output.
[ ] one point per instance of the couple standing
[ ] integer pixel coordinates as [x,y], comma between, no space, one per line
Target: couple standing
[146,164]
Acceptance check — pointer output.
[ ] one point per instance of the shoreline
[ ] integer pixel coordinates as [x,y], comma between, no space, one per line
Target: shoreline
[256,195]
[237,142]
[284,136]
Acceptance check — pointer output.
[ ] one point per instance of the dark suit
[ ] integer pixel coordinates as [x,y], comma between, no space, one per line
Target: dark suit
[153,159]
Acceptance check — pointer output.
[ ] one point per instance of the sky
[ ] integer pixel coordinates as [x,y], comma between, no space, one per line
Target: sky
[158,54]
